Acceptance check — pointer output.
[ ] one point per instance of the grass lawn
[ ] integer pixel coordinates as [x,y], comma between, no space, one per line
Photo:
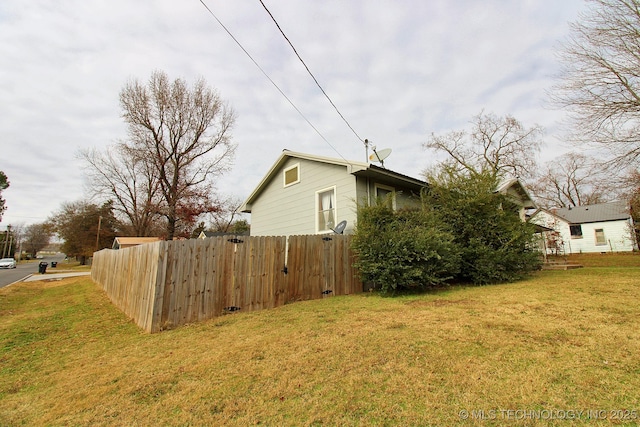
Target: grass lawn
[560,341]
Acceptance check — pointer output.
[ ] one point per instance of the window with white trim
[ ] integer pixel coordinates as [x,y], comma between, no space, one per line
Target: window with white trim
[326,210]
[291,175]
[600,239]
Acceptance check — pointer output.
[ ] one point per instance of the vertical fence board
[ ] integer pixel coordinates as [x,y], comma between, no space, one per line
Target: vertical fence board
[166,284]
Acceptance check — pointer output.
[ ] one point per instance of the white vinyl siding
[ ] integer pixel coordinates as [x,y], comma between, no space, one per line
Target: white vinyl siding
[615,236]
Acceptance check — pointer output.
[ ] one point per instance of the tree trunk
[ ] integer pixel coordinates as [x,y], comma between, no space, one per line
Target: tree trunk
[171,228]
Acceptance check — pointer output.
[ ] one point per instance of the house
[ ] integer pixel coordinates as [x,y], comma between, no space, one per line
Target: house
[126,242]
[605,227]
[514,190]
[308,194]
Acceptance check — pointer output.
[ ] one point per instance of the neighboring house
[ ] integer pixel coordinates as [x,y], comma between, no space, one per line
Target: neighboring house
[605,227]
[126,242]
[307,194]
[515,191]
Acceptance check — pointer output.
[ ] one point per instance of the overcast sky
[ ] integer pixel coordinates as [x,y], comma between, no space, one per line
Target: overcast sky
[397,70]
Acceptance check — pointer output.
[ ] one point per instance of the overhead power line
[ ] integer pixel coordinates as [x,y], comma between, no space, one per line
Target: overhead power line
[309,71]
[270,79]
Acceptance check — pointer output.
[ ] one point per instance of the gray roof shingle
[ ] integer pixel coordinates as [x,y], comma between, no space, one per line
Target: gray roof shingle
[612,211]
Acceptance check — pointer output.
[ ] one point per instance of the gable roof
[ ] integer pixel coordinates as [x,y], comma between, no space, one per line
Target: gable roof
[514,185]
[355,168]
[613,211]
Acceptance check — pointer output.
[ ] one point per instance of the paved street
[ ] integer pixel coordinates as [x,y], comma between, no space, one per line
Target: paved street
[24,269]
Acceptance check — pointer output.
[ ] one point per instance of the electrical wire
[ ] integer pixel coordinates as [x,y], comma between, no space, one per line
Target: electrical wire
[309,71]
[270,79]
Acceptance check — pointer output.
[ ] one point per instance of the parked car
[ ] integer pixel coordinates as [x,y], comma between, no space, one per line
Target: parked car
[7,263]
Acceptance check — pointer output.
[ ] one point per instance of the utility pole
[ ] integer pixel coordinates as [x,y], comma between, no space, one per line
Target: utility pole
[10,240]
[366,150]
[98,235]
[6,240]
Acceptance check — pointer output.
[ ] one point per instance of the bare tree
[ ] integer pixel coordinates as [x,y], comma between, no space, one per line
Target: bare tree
[185,134]
[500,146]
[36,238]
[223,219]
[600,80]
[121,175]
[631,193]
[573,179]
[18,231]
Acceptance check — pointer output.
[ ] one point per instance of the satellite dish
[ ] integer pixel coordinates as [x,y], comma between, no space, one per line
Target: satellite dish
[379,156]
[340,227]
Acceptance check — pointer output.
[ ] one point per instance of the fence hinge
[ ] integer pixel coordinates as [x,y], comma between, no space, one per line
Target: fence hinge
[326,239]
[232,308]
[326,292]
[235,240]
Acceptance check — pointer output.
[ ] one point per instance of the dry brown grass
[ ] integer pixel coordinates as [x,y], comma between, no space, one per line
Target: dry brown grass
[607,259]
[566,340]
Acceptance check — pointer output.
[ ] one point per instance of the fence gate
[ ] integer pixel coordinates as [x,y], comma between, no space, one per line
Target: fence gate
[178,282]
[320,266]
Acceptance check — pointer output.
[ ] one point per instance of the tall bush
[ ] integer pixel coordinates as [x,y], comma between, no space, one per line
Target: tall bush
[463,231]
[494,243]
[403,249]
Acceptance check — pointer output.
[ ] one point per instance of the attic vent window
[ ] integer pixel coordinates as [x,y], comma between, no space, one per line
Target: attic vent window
[292,175]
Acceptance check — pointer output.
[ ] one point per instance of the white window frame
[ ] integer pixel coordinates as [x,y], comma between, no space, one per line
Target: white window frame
[284,175]
[392,190]
[604,237]
[318,212]
[576,236]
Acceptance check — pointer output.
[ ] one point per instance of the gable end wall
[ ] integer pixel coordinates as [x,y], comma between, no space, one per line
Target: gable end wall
[280,211]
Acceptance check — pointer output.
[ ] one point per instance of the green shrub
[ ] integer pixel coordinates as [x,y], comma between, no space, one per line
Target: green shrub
[495,244]
[464,231]
[404,249]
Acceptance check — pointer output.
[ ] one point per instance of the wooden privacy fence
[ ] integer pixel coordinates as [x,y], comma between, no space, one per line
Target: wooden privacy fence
[165,284]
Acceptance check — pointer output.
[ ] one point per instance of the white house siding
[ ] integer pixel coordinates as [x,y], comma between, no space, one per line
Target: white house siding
[617,234]
[292,210]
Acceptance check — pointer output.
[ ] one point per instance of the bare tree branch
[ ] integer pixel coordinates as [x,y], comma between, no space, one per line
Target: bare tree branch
[185,136]
[498,145]
[574,179]
[600,81]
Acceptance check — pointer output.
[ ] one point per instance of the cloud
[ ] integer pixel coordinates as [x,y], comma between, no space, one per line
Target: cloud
[397,70]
